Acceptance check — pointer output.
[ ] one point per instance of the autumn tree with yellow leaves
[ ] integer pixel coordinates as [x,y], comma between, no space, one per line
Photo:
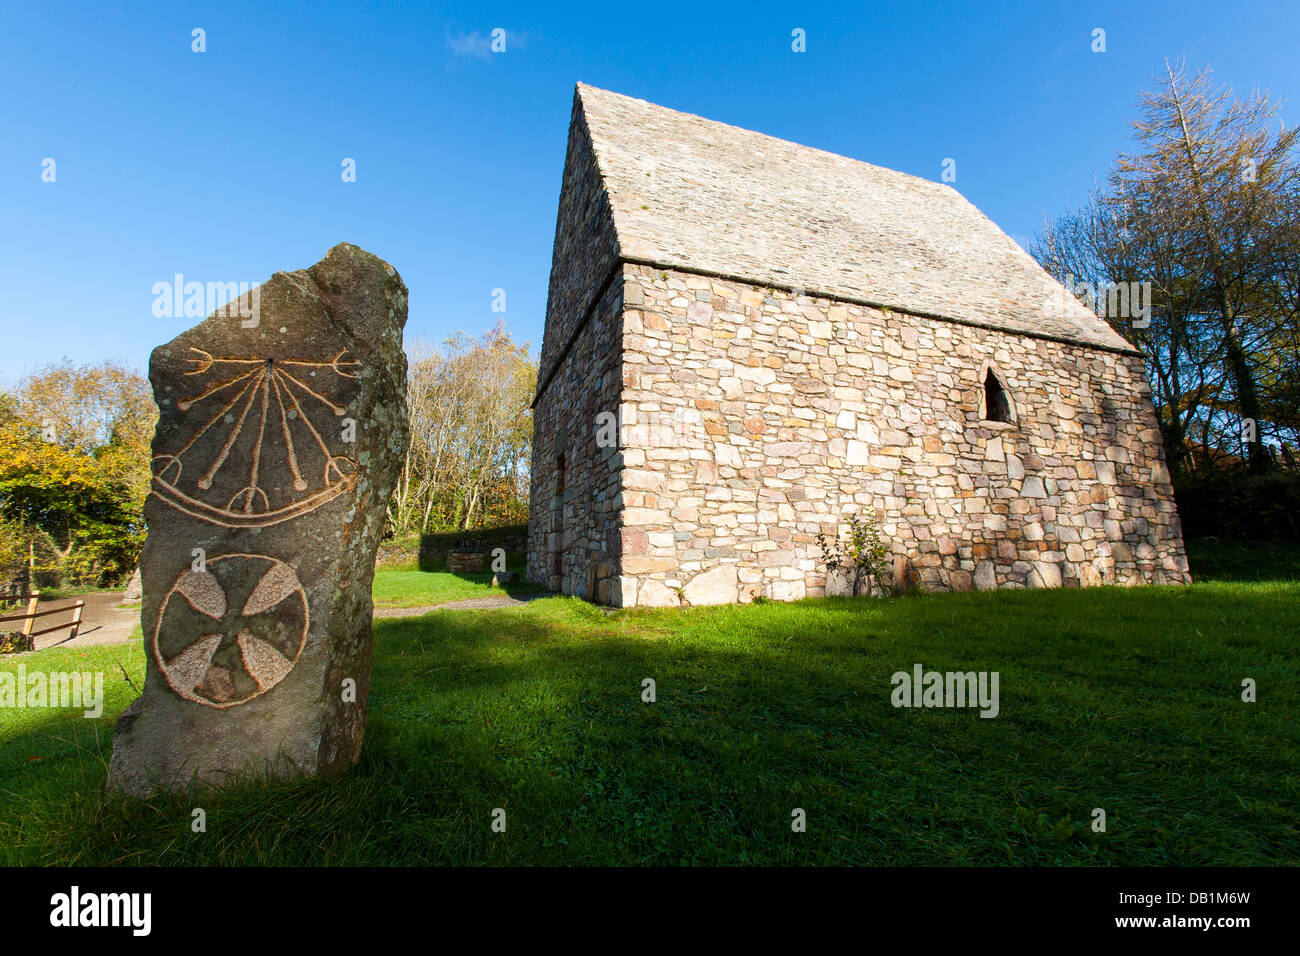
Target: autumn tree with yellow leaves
[74,473]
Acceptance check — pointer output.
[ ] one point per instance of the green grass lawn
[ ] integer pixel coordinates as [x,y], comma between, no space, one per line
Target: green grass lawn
[1123,699]
[410,588]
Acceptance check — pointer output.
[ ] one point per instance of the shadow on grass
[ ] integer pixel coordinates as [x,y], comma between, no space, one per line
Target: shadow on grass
[516,562]
[1127,700]
[516,588]
[1213,559]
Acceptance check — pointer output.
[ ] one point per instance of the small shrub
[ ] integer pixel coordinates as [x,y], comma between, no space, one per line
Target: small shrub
[863,555]
[15,642]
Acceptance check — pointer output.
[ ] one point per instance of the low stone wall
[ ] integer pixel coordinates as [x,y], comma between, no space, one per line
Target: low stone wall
[465,562]
[434,548]
[398,554]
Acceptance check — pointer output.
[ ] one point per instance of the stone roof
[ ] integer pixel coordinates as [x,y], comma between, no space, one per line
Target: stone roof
[695,194]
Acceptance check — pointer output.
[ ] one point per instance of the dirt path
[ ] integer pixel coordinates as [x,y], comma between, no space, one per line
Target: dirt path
[495,601]
[102,621]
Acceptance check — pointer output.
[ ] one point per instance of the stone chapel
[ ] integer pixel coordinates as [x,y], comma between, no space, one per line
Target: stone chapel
[747,339]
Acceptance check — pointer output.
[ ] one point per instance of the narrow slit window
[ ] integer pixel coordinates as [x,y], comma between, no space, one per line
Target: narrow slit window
[997,404]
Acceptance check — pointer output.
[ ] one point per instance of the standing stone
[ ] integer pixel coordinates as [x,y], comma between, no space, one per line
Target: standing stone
[282,429]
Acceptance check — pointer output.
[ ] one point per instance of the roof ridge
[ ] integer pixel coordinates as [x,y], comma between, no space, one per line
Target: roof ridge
[929,183]
[713,197]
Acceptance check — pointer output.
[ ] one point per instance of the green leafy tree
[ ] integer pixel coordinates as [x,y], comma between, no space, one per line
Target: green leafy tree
[74,468]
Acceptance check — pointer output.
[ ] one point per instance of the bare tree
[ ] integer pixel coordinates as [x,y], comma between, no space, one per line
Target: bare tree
[1205,210]
[471,433]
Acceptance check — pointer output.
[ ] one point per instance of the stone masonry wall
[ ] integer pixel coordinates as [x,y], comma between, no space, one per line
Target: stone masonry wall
[580,523]
[572,531]
[586,247]
[753,419]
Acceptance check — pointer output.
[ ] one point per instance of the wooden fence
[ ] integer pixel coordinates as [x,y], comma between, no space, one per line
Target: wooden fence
[29,618]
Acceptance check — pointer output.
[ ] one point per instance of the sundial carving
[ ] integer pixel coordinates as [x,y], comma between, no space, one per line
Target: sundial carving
[271,460]
[231,631]
[259,450]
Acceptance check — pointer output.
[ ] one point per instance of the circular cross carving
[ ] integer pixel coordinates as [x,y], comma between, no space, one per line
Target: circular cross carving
[257,452]
[232,631]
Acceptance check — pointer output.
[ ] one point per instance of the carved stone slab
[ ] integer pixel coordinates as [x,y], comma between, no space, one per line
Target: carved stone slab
[281,434]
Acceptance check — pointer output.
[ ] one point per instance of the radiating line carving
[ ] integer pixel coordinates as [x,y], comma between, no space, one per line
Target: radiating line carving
[257,454]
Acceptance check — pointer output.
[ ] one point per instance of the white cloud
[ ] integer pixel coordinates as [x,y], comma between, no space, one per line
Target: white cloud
[469,46]
[478,46]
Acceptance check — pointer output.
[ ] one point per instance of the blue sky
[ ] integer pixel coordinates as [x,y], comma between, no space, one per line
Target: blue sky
[225,165]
